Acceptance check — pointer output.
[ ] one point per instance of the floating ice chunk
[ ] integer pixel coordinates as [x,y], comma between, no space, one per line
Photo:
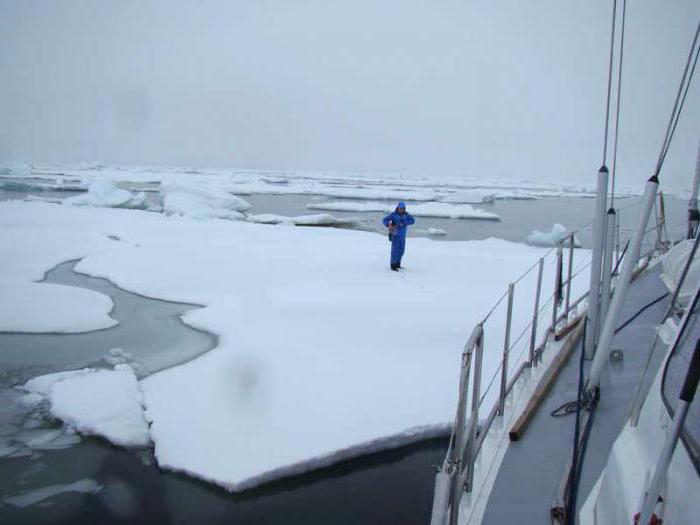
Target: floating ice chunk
[197,201]
[317,219]
[104,403]
[437,232]
[104,193]
[32,497]
[47,439]
[424,209]
[118,356]
[44,307]
[673,265]
[557,234]
[469,197]
[12,451]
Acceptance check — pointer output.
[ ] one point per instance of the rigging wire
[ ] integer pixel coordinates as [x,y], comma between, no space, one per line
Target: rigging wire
[619,97]
[685,93]
[675,112]
[610,71]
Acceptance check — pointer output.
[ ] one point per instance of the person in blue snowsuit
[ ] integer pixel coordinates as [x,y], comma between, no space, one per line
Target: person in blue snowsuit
[397,222]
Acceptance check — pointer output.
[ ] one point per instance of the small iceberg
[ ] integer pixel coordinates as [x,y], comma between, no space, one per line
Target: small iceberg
[198,201]
[553,237]
[103,193]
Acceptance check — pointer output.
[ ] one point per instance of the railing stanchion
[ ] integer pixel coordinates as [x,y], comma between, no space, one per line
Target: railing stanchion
[570,264]
[532,360]
[557,287]
[456,459]
[453,461]
[476,399]
[506,349]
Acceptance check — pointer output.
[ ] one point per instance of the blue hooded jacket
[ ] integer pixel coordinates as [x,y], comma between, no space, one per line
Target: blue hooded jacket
[401,221]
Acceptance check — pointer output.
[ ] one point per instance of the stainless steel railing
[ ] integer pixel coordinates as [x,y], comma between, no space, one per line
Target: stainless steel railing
[456,474]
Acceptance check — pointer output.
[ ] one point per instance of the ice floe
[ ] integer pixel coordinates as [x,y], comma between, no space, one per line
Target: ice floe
[198,201]
[105,403]
[423,209]
[323,352]
[316,219]
[44,307]
[469,197]
[349,185]
[105,193]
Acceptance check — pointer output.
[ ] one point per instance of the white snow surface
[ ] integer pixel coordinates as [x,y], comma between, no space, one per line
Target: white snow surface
[105,193]
[323,353]
[551,238]
[673,264]
[30,247]
[423,209]
[195,200]
[44,307]
[105,403]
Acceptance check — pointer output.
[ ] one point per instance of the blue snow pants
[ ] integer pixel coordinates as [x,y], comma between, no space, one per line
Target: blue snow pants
[398,246]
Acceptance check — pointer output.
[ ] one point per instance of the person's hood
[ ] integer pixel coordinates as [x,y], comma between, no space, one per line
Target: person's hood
[401,204]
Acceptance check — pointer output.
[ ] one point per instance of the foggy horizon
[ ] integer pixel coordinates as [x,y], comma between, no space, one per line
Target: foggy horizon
[502,91]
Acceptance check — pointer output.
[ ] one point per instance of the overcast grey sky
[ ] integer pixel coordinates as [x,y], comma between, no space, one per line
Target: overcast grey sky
[505,89]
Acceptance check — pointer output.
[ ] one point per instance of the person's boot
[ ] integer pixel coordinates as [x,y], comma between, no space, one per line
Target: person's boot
[395,267]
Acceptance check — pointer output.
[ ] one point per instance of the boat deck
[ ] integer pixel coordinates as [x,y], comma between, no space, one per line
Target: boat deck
[528,480]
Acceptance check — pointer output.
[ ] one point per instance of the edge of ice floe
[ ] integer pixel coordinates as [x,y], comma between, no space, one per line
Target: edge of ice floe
[383,444]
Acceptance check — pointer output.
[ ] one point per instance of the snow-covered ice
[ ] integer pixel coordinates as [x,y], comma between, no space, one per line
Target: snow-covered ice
[198,201]
[105,403]
[30,247]
[423,209]
[323,352]
[44,307]
[315,219]
[438,232]
[469,197]
[370,186]
[105,193]
[551,238]
[326,190]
